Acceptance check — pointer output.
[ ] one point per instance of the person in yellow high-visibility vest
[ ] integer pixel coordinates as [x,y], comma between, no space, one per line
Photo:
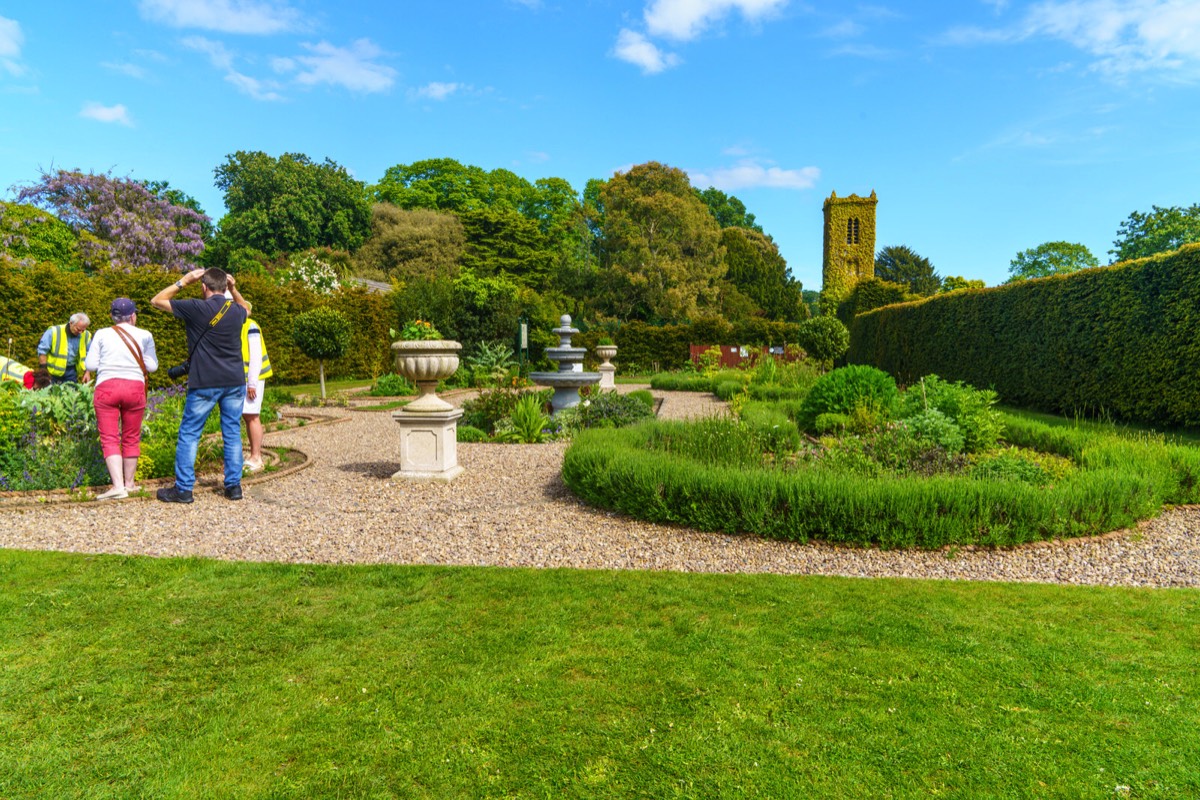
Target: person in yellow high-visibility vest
[258,368]
[63,349]
[12,371]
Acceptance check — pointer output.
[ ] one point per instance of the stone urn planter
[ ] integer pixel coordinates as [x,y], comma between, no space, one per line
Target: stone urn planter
[425,363]
[607,370]
[428,425]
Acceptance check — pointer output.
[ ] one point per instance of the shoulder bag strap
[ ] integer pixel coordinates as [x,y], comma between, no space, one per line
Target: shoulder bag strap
[134,348]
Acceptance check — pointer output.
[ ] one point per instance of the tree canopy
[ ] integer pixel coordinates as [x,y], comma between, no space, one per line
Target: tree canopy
[953,282]
[755,267]
[1050,258]
[662,251]
[900,264]
[119,220]
[407,244]
[728,211]
[1161,230]
[290,203]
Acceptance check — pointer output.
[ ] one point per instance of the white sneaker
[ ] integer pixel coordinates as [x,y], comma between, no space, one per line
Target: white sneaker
[253,466]
[113,494]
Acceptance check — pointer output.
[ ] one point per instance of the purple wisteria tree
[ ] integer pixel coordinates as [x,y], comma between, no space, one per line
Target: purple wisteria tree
[119,220]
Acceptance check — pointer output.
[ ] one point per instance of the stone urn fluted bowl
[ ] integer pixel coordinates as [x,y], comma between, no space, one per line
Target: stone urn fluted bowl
[606,352]
[425,363]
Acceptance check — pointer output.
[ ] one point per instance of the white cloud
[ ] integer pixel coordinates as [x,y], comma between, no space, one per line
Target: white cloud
[437,90]
[222,59]
[635,48]
[751,174]
[217,53]
[125,68]
[259,90]
[11,41]
[353,68]
[226,16]
[101,113]
[686,19]
[1124,36]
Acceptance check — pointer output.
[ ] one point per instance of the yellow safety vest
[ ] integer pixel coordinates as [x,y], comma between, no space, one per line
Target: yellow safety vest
[56,359]
[12,371]
[265,370]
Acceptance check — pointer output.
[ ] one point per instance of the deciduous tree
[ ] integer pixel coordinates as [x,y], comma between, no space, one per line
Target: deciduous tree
[290,203]
[727,210]
[663,256]
[1161,230]
[1050,258]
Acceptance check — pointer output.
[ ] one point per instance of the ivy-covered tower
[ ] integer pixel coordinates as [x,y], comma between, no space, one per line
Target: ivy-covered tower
[849,254]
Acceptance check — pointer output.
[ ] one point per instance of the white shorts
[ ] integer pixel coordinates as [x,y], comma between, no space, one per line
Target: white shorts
[254,406]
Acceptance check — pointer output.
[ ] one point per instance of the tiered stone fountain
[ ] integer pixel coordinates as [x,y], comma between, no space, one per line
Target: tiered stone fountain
[570,376]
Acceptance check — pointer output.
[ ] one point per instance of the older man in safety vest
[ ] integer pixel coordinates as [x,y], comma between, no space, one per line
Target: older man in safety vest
[64,347]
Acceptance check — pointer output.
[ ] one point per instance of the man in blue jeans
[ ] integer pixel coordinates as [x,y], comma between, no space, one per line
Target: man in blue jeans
[217,376]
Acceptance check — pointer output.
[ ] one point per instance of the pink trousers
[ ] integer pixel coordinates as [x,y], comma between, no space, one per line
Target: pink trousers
[120,406]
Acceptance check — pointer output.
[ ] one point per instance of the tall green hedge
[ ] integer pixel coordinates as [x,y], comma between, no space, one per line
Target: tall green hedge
[1121,340]
[35,298]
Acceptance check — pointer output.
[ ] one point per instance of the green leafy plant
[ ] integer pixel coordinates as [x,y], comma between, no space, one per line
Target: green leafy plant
[933,426]
[418,330]
[490,363]
[971,409]
[528,422]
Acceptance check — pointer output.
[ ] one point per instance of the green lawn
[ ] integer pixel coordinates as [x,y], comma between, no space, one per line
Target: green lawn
[137,677]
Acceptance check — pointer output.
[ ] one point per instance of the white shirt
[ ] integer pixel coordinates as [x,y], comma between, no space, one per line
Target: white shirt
[254,340]
[109,356]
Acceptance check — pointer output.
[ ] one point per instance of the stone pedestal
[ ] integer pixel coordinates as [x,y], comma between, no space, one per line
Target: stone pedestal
[428,445]
[606,369]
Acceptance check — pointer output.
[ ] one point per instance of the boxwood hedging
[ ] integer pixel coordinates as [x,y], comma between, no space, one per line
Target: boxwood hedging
[1119,481]
[1124,340]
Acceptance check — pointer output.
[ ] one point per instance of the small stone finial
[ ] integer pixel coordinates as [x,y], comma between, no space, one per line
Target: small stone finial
[565,320]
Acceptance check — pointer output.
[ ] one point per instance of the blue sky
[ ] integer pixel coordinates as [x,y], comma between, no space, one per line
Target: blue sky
[985,126]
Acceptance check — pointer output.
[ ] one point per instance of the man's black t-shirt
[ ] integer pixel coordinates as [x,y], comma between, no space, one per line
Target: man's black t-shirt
[217,361]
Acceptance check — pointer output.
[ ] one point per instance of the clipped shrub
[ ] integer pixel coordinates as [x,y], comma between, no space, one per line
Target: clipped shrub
[468,433]
[712,475]
[823,338]
[391,384]
[843,390]
[643,396]
[321,334]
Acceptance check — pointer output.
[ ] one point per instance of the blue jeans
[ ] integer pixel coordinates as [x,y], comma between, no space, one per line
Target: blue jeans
[196,408]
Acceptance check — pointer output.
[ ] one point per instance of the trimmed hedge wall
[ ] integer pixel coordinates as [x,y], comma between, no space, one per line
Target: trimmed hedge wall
[1124,340]
[33,299]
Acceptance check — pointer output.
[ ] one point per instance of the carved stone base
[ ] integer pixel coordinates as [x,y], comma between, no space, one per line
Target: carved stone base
[428,445]
[607,373]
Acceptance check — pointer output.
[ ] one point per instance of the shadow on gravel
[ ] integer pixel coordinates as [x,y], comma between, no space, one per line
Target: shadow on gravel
[372,469]
[556,489]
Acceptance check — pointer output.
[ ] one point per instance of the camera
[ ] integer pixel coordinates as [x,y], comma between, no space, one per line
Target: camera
[179,371]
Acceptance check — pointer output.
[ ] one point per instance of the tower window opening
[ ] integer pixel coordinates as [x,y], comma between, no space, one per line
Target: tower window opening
[852,231]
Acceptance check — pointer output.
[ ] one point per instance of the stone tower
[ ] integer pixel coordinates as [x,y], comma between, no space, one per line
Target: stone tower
[849,253]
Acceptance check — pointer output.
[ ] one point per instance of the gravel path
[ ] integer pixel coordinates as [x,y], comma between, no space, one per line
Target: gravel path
[511,508]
